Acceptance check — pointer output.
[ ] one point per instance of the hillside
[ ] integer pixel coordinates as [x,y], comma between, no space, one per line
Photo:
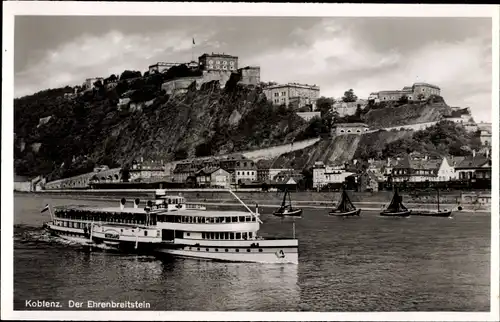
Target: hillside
[90,130]
[443,139]
[389,115]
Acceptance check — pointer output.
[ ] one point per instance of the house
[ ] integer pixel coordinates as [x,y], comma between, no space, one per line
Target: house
[146,170]
[446,171]
[266,172]
[185,169]
[293,94]
[323,174]
[213,177]
[476,166]
[241,168]
[290,177]
[414,168]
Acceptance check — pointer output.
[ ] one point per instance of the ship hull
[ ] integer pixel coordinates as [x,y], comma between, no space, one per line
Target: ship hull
[352,213]
[425,213]
[293,213]
[396,214]
[290,256]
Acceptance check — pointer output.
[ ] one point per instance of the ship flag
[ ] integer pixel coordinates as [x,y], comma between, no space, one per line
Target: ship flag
[45,209]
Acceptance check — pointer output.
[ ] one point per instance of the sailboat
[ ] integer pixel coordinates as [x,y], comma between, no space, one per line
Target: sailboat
[286,209]
[396,207]
[433,213]
[345,207]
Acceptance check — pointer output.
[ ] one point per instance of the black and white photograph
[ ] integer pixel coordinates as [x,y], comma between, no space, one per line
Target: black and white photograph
[208,161]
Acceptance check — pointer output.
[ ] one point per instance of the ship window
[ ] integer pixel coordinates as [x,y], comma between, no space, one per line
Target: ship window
[248,250]
[231,235]
[228,219]
[202,235]
[237,250]
[250,235]
[234,219]
[198,248]
[169,201]
[212,235]
[216,235]
[145,233]
[212,220]
[249,218]
[242,219]
[121,230]
[216,249]
[189,247]
[206,249]
[226,250]
[238,235]
[226,235]
[178,218]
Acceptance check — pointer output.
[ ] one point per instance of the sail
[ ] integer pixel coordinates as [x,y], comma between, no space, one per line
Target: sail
[396,204]
[345,203]
[284,199]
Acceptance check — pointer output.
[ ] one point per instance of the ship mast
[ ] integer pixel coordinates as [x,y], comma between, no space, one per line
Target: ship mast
[253,214]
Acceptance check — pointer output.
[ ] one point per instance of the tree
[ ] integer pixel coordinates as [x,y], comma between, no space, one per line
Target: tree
[324,104]
[349,96]
[128,74]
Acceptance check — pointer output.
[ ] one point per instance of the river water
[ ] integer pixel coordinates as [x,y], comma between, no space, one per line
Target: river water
[368,263]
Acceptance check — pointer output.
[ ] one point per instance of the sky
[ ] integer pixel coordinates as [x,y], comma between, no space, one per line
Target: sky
[367,54]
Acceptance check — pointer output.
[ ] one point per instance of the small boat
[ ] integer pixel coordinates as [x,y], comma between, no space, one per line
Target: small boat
[396,207]
[433,213]
[287,209]
[345,208]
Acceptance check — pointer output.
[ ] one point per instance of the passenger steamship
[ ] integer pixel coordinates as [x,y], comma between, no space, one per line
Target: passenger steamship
[169,226]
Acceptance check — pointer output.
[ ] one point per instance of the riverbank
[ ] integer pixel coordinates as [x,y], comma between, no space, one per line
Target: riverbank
[315,200]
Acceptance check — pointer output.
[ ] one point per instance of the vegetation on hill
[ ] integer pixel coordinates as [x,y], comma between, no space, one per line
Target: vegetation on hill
[90,130]
[402,112]
[442,139]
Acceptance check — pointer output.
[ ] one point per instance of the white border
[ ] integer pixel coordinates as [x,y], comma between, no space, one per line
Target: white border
[229,9]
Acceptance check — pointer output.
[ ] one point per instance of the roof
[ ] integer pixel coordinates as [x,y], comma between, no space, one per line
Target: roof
[455,160]
[429,164]
[217,55]
[426,84]
[350,124]
[471,162]
[208,170]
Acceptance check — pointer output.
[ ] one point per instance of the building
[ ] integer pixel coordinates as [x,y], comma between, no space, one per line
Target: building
[147,170]
[267,173]
[250,75]
[214,177]
[241,169]
[415,168]
[218,62]
[293,94]
[323,174]
[180,85]
[184,170]
[349,128]
[485,135]
[161,67]
[307,116]
[288,177]
[89,82]
[413,93]
[476,166]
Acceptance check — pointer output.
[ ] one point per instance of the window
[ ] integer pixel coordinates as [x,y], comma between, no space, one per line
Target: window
[145,233]
[237,250]
[188,234]
[207,249]
[203,236]
[226,250]
[244,236]
[216,249]
[250,233]
[248,250]
[198,248]
[238,235]
[260,250]
[234,219]
[231,235]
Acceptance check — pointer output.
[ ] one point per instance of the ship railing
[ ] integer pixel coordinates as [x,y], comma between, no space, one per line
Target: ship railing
[195,206]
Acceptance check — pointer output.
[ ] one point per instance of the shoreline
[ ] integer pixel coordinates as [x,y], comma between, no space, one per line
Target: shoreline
[310,204]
